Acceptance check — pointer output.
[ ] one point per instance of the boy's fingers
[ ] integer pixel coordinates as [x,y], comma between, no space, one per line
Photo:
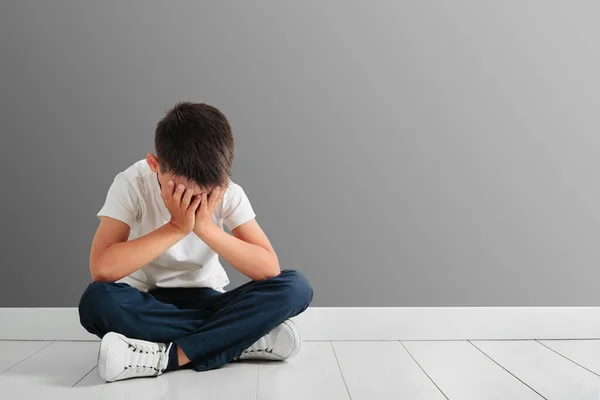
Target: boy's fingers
[214,198]
[177,194]
[204,201]
[194,204]
[187,198]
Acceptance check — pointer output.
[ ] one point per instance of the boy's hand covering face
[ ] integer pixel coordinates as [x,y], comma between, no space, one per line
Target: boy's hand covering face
[182,206]
[208,206]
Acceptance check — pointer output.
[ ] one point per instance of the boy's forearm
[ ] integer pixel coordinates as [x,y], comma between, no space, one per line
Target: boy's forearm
[251,260]
[121,259]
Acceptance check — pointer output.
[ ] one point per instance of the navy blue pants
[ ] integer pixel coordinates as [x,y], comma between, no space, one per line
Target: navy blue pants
[212,328]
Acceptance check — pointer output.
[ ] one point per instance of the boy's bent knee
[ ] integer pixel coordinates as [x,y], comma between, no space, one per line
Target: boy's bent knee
[94,296]
[297,291]
[98,302]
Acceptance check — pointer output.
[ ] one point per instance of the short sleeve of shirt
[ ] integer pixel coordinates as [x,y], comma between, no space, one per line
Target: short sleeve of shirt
[122,201]
[236,207]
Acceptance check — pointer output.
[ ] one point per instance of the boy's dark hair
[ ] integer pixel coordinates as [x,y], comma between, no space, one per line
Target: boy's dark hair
[194,140]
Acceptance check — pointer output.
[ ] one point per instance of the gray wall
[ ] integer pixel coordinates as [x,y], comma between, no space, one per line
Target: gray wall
[399,153]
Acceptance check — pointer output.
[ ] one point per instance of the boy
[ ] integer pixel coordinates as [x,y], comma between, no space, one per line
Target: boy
[157,298]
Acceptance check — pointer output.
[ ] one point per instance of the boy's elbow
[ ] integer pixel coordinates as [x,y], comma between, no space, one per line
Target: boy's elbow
[101,278]
[272,274]
[100,274]
[269,273]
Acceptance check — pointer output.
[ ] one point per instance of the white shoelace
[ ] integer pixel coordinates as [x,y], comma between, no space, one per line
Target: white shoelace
[263,345]
[146,358]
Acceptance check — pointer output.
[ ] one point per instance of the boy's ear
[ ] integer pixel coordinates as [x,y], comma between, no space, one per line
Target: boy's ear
[152,162]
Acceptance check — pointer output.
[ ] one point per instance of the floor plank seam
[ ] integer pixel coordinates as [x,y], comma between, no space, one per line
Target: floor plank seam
[340,369]
[513,354]
[82,378]
[498,364]
[567,358]
[423,369]
[26,358]
[169,389]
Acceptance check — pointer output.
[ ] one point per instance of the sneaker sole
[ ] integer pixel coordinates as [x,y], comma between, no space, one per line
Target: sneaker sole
[297,339]
[105,345]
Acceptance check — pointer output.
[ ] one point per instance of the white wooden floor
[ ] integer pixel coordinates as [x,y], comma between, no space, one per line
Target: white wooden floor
[436,370]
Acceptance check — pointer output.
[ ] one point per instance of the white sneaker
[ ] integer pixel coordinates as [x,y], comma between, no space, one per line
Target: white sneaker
[281,343]
[122,358]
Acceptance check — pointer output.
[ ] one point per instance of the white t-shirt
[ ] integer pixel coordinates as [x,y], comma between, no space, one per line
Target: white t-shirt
[134,198]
